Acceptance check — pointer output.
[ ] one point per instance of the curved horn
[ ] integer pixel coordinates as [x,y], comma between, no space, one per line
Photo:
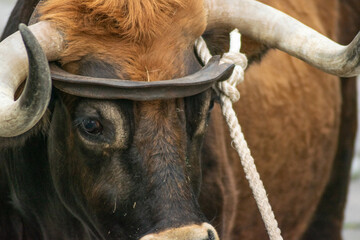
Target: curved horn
[17,117]
[276,29]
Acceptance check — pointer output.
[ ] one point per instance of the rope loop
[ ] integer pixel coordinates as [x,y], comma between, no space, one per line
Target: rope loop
[202,50]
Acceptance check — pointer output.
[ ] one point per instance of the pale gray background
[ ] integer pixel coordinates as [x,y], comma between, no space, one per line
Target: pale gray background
[352,214]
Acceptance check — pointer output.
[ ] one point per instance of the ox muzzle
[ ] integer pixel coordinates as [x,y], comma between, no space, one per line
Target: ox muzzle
[192,232]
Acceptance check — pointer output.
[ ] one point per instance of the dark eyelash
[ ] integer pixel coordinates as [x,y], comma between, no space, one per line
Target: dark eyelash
[77,122]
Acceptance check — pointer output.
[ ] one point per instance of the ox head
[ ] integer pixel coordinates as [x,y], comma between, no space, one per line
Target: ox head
[124,168]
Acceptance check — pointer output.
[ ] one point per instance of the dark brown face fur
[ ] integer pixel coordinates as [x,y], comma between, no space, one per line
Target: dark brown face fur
[121,169]
[136,165]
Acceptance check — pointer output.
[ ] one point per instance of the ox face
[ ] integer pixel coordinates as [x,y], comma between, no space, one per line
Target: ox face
[117,169]
[128,169]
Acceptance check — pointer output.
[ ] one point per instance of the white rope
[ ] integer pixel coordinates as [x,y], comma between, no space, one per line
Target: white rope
[228,95]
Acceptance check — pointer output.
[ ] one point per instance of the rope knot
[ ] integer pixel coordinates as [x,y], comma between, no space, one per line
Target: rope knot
[228,87]
[237,58]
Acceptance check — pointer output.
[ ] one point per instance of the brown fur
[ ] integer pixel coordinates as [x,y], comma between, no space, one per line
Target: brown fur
[290,115]
[162,125]
[327,216]
[145,39]
[290,112]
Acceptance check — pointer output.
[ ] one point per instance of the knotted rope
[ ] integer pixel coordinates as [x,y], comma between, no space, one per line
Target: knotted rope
[228,95]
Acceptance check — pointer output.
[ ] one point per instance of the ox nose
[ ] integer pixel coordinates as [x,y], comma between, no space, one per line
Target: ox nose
[192,232]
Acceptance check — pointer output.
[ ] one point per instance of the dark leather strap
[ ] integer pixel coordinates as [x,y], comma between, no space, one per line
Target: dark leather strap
[104,88]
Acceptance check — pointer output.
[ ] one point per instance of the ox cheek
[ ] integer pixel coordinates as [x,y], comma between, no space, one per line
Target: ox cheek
[107,180]
[63,168]
[94,165]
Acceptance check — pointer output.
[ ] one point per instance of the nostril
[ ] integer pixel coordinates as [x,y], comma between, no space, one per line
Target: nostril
[211,235]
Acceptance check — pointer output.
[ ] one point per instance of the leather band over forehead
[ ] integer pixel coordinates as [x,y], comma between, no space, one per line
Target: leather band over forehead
[105,88]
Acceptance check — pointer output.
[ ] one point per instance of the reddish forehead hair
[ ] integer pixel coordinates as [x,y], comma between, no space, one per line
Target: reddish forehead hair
[143,39]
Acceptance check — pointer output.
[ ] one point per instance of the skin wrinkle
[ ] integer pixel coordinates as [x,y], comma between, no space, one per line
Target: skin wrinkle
[200,131]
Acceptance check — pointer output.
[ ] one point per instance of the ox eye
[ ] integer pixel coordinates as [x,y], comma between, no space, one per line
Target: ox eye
[211,106]
[91,126]
[214,98]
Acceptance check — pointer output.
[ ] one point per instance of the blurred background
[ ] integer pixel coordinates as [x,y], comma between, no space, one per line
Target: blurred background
[352,214]
[5,9]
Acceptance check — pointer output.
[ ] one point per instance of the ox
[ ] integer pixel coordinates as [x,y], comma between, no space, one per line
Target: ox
[90,167]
